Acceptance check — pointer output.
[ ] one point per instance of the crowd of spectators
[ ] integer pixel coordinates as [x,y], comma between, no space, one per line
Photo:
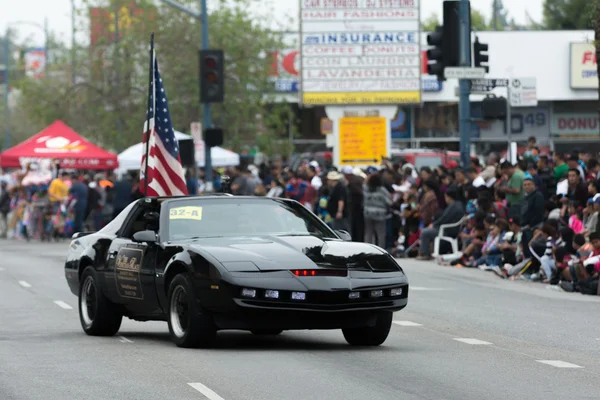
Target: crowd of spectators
[533,220]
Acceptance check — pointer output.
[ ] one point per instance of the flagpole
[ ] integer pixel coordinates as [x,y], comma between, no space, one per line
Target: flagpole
[150,104]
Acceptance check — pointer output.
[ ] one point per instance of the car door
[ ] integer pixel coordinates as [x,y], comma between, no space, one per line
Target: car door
[130,272]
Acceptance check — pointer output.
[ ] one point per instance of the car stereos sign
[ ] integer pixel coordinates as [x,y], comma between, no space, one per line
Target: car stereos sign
[360,52]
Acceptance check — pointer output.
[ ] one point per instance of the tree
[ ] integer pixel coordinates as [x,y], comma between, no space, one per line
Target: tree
[429,24]
[568,14]
[108,103]
[478,22]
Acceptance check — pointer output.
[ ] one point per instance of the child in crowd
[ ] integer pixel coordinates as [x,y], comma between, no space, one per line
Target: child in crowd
[491,253]
[576,218]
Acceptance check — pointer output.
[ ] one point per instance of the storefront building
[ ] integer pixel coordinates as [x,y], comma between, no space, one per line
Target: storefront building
[566,116]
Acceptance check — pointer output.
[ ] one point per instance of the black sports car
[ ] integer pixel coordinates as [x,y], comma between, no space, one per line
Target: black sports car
[212,263]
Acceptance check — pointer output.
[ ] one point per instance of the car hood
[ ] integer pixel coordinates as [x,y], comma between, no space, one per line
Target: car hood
[271,253]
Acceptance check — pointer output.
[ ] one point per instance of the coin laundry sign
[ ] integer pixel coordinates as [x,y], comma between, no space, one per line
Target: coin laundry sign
[360,52]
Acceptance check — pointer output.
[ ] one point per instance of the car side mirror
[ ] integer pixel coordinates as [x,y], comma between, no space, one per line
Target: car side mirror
[145,237]
[344,235]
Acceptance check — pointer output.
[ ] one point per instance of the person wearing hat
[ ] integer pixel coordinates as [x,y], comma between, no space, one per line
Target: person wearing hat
[338,201]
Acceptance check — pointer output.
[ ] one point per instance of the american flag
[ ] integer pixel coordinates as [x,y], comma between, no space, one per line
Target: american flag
[165,175]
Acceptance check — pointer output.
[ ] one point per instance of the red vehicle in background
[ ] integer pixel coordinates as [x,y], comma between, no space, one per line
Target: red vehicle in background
[417,157]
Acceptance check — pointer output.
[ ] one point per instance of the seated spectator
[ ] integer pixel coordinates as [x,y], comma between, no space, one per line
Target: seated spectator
[473,237]
[491,253]
[453,213]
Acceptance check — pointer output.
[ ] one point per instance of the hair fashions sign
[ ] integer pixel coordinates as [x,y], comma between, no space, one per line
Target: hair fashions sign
[360,52]
[584,66]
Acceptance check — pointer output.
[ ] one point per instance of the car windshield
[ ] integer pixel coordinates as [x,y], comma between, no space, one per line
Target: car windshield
[201,218]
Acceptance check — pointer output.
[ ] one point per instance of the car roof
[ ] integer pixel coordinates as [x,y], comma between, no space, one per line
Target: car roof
[162,199]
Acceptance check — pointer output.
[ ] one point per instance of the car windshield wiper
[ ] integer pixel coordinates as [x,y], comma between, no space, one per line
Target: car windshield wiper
[203,237]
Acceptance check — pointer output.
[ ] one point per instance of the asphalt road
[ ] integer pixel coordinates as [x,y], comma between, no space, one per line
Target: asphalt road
[465,334]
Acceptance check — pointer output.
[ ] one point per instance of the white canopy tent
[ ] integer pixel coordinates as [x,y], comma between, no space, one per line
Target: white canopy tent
[131,158]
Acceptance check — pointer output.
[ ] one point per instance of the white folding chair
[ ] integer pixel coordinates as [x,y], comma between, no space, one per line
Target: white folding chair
[453,241]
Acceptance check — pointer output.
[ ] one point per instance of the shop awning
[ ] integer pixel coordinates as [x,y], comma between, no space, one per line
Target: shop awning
[59,141]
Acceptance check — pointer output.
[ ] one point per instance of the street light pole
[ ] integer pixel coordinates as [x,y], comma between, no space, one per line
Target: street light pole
[7,137]
[206,117]
[464,110]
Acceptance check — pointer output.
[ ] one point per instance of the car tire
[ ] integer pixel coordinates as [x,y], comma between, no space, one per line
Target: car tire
[188,325]
[97,314]
[272,332]
[370,335]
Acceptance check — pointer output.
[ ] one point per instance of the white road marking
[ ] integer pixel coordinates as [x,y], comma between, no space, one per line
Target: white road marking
[559,364]
[207,392]
[406,323]
[24,284]
[123,339]
[63,305]
[471,341]
[420,288]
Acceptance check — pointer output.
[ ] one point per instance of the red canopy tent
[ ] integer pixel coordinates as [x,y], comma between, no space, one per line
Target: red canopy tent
[58,141]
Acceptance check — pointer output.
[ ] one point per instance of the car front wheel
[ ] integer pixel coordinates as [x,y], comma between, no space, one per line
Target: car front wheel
[188,326]
[98,315]
[370,335]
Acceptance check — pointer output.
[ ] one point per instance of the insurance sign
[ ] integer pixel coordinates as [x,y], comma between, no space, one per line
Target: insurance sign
[360,52]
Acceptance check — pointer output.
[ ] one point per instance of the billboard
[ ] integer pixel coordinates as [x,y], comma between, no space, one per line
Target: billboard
[360,52]
[584,73]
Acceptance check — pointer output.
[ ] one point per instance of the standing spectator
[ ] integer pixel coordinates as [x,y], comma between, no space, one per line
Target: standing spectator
[4,209]
[547,177]
[338,199]
[577,191]
[573,163]
[377,203]
[122,194]
[560,166]
[355,204]
[428,205]
[514,190]
[79,192]
[532,213]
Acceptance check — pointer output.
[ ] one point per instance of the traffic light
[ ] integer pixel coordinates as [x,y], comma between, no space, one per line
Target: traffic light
[212,80]
[436,55]
[213,137]
[481,60]
[446,41]
[452,32]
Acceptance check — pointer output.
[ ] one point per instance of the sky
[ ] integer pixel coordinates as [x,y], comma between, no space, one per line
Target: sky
[58,13]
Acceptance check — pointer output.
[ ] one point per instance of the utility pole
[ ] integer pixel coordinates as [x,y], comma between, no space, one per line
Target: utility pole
[206,119]
[464,105]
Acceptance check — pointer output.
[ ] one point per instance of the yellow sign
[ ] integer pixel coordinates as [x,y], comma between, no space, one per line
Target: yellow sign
[362,98]
[363,140]
[190,212]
